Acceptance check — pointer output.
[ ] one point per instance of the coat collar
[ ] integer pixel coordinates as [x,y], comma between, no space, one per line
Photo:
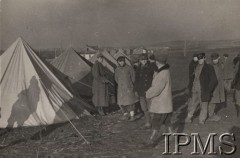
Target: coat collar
[164,67]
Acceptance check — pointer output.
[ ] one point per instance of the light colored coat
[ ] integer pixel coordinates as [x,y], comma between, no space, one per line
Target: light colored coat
[219,92]
[228,69]
[125,78]
[160,93]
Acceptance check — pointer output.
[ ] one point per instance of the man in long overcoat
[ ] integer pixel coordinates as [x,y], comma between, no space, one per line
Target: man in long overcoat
[144,77]
[100,97]
[126,98]
[204,83]
[228,72]
[219,92]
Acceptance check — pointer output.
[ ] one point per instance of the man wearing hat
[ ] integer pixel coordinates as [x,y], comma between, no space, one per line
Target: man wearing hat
[191,68]
[152,60]
[100,97]
[160,96]
[204,83]
[218,93]
[228,72]
[144,76]
[125,78]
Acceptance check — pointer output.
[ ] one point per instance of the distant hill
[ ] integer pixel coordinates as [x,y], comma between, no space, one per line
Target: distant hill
[196,45]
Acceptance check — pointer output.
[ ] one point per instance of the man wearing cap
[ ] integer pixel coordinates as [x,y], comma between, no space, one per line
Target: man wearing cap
[100,97]
[125,78]
[218,93]
[160,96]
[228,70]
[204,83]
[152,61]
[144,76]
[191,68]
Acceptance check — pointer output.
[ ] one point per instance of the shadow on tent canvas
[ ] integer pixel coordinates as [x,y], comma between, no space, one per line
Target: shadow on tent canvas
[26,104]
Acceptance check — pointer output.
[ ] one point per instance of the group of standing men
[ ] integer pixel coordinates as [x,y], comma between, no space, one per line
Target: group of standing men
[148,81]
[210,83]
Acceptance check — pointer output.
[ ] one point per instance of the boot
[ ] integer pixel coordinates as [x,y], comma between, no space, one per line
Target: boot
[215,118]
[152,142]
[100,111]
[169,129]
[132,117]
[188,119]
[125,117]
[147,124]
[153,139]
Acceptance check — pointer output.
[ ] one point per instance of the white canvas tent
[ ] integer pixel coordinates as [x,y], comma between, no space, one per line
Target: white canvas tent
[31,94]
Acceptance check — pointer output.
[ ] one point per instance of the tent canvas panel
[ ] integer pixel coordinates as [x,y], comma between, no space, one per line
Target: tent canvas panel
[72,65]
[30,94]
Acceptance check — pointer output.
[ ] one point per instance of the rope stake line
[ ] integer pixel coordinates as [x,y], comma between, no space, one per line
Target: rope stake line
[85,140]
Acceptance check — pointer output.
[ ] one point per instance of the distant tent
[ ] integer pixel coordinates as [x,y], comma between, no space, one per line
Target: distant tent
[90,48]
[78,70]
[108,61]
[112,52]
[31,94]
[120,53]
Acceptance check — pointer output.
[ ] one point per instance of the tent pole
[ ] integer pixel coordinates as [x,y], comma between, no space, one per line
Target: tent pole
[85,140]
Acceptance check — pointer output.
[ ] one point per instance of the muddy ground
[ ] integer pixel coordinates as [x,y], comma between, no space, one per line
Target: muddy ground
[110,137]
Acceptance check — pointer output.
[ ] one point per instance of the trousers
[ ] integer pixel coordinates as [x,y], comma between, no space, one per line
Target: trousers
[159,119]
[193,104]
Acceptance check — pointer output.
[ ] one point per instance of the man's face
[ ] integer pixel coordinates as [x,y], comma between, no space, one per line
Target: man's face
[100,59]
[121,63]
[195,59]
[225,57]
[201,61]
[143,62]
[151,61]
[215,61]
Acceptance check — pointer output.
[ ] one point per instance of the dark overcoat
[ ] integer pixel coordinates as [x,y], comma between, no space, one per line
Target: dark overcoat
[208,82]
[144,77]
[219,91]
[99,88]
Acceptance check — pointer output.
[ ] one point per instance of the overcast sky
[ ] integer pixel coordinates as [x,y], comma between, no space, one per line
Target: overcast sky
[52,23]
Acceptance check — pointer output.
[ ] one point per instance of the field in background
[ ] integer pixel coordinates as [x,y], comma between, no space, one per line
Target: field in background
[178,62]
